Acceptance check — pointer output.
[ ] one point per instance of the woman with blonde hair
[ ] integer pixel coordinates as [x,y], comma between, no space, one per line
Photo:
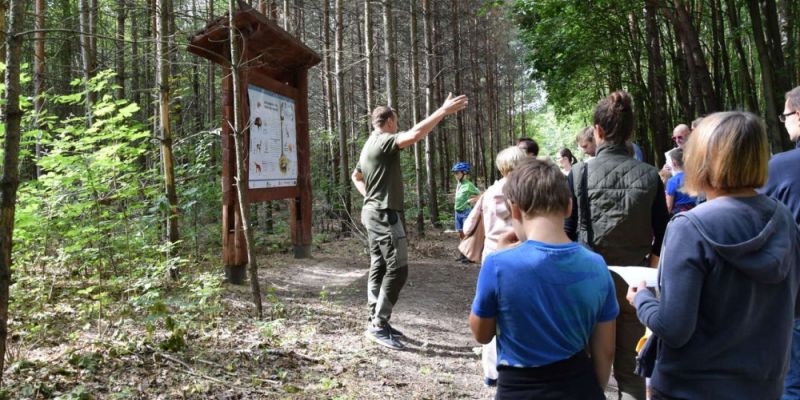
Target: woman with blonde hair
[493,208]
[729,274]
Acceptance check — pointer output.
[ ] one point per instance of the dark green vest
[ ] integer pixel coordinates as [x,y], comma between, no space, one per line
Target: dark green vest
[621,192]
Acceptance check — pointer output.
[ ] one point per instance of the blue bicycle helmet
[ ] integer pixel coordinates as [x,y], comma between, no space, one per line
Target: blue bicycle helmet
[460,167]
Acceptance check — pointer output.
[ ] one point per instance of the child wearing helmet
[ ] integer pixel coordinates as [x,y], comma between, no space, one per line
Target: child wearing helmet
[466,195]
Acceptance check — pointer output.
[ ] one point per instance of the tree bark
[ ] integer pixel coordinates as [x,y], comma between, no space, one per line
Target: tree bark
[119,54]
[10,179]
[238,142]
[3,9]
[38,76]
[456,35]
[369,43]
[694,51]
[165,130]
[719,28]
[211,87]
[748,85]
[344,165]
[330,106]
[657,82]
[88,55]
[135,82]
[777,137]
[430,144]
[415,115]
[391,56]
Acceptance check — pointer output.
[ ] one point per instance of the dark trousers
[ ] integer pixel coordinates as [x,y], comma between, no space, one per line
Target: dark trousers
[570,379]
[388,270]
[629,331]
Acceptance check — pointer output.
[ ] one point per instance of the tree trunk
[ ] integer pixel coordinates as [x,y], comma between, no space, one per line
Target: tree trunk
[682,101]
[777,137]
[748,85]
[789,12]
[460,139]
[135,82]
[119,55]
[369,43]
[391,56]
[719,27]
[657,82]
[165,130]
[430,144]
[694,52]
[38,77]
[443,146]
[10,180]
[3,9]
[783,80]
[299,20]
[415,115]
[211,87]
[330,106]
[88,55]
[344,165]
[241,183]
[286,15]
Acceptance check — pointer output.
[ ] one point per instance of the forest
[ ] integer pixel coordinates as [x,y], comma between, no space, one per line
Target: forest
[111,191]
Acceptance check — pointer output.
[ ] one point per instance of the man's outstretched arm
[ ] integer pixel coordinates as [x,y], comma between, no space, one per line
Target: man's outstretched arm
[424,127]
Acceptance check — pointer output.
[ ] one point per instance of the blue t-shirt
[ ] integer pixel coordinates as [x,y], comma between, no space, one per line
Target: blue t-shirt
[674,189]
[547,298]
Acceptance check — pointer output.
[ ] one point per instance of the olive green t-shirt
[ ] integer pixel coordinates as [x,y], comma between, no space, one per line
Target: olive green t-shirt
[383,177]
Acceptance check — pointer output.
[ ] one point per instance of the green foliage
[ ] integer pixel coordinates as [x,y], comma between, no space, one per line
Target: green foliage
[573,47]
[88,231]
[553,133]
[88,175]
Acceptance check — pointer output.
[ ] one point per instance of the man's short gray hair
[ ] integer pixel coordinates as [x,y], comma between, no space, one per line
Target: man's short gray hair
[794,98]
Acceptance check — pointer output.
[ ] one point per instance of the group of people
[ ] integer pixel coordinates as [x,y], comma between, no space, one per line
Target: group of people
[723,315]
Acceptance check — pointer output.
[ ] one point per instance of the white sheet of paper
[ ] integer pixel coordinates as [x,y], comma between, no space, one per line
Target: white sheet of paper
[633,275]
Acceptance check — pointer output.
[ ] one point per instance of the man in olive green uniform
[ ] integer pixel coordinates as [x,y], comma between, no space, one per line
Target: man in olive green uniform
[379,178]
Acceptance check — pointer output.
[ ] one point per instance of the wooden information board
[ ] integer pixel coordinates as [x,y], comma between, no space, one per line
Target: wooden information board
[274,106]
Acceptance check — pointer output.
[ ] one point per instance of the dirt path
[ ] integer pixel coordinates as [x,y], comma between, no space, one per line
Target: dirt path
[439,361]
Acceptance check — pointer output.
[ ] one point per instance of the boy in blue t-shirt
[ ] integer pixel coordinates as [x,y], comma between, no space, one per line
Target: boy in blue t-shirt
[677,199]
[545,297]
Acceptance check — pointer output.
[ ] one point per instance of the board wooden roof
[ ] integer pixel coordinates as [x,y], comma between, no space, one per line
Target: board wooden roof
[267,47]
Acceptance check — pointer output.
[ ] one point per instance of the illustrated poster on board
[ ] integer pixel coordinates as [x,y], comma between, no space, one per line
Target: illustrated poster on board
[273,140]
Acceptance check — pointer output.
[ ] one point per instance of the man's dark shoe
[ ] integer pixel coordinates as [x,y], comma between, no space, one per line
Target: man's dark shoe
[394,332]
[383,337]
[462,258]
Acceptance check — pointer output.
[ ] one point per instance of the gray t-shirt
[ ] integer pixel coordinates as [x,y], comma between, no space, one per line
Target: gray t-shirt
[383,176]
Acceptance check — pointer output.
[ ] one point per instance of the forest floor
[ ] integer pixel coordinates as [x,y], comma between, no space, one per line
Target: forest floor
[309,345]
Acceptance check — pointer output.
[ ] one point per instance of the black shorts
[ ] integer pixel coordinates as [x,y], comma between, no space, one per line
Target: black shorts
[570,379]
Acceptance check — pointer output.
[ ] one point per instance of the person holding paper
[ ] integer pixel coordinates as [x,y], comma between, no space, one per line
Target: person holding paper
[729,274]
